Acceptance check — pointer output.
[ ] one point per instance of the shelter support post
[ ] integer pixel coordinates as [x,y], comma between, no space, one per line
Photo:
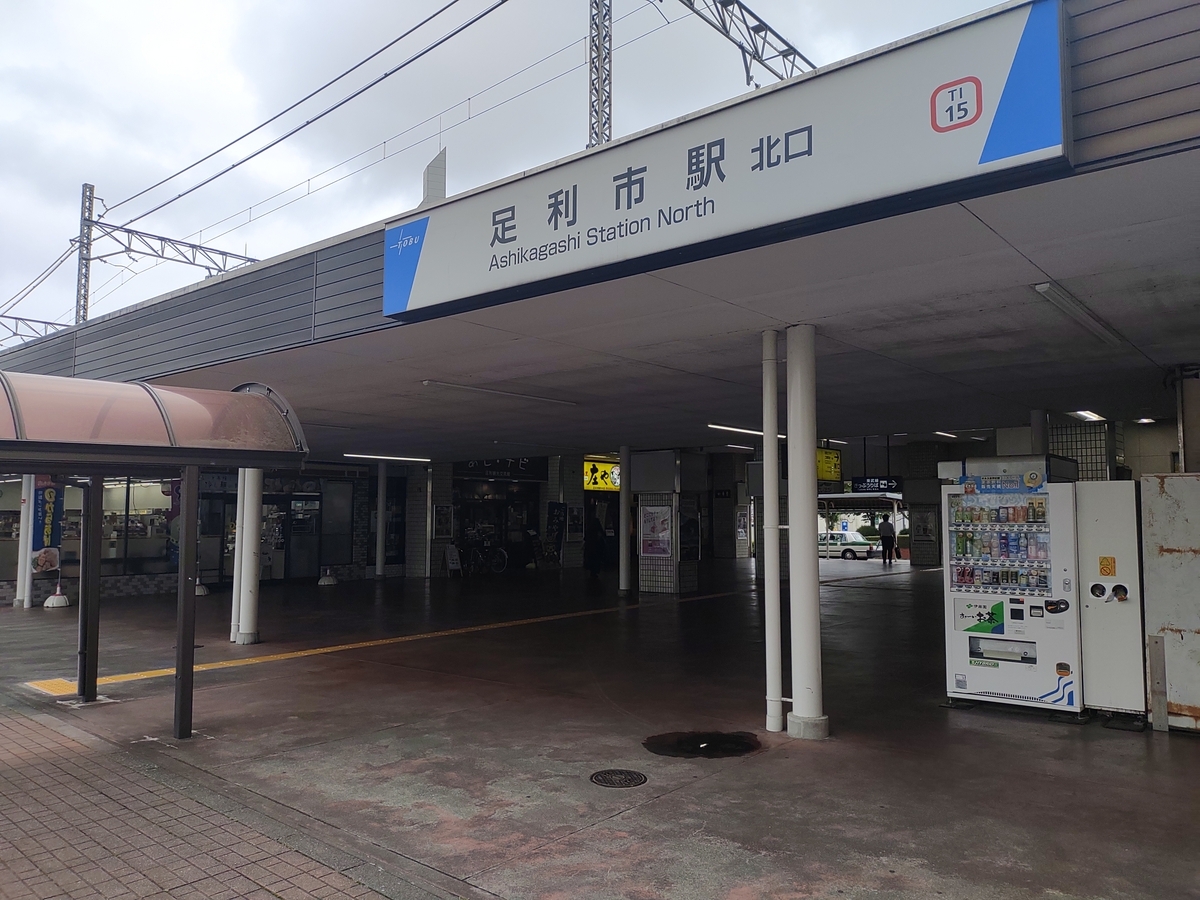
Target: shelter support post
[381,520]
[251,554]
[89,586]
[624,524]
[185,626]
[25,545]
[807,719]
[770,411]
[235,614]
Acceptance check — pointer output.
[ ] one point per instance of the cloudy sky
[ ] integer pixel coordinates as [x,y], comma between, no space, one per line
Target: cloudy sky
[123,93]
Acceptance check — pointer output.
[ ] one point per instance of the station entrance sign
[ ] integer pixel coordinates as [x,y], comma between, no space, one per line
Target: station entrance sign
[970,100]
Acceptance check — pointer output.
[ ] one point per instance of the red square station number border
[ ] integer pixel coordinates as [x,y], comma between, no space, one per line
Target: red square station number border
[933,104]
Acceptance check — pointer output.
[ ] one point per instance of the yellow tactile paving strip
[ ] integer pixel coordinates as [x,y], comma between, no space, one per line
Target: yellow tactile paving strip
[61,687]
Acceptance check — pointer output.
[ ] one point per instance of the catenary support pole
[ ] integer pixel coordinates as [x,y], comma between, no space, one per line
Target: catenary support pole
[624,560]
[235,605]
[89,586]
[807,718]
[24,545]
[381,520]
[251,552]
[185,626]
[774,640]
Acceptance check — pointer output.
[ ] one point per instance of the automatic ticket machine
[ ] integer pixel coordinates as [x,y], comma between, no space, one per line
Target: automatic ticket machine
[1043,602]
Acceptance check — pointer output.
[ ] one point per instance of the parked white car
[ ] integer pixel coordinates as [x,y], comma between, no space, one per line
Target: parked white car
[846,544]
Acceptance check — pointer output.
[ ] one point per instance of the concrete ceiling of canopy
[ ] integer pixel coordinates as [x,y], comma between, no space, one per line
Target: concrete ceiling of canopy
[925,322]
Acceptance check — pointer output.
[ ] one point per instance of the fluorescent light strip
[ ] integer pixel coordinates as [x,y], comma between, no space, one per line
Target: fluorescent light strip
[391,458]
[835,441]
[782,437]
[1145,421]
[1078,310]
[480,390]
[946,434]
[740,447]
[1087,415]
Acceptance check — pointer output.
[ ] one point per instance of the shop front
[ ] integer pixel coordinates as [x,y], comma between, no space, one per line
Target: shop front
[495,506]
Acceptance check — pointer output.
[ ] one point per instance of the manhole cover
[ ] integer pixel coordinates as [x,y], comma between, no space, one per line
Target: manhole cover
[618,778]
[702,744]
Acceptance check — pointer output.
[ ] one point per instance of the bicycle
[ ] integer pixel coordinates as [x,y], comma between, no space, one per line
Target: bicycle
[487,559]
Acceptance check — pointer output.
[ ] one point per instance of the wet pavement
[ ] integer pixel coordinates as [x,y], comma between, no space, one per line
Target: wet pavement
[458,758]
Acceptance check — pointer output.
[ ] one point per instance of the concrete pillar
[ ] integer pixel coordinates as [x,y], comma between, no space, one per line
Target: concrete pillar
[807,718]
[235,614]
[773,632]
[24,596]
[251,551]
[1189,424]
[381,519]
[1039,432]
[623,527]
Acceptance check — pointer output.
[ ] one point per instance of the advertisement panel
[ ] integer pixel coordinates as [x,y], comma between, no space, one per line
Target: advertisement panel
[968,101]
[654,531]
[48,499]
[829,464]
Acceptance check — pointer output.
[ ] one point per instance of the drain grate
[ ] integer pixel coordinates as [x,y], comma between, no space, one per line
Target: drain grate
[618,778]
[702,744]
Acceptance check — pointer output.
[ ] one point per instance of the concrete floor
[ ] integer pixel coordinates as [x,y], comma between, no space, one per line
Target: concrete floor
[463,759]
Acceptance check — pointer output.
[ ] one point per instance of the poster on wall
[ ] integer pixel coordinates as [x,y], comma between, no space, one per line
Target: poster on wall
[655,531]
[743,524]
[574,523]
[47,524]
[443,521]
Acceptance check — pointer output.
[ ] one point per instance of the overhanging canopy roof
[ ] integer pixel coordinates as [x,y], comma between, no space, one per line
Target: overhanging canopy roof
[84,426]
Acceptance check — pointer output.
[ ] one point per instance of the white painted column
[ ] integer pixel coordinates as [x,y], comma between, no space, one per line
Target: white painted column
[625,498]
[235,612]
[807,718]
[773,629]
[251,552]
[24,595]
[381,520]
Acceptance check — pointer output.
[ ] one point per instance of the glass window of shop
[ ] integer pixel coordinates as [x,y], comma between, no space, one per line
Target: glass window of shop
[139,531]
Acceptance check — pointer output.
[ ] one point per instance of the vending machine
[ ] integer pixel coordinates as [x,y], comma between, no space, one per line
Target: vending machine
[1012,610]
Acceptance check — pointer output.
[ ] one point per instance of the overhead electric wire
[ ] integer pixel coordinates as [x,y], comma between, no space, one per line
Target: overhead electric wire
[389,73]
[383,143]
[425,121]
[33,285]
[281,114]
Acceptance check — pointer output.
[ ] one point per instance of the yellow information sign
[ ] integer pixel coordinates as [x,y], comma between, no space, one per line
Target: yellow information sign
[829,464]
[599,475]
[1108,567]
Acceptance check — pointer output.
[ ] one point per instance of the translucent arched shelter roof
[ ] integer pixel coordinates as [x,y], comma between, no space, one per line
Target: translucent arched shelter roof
[76,425]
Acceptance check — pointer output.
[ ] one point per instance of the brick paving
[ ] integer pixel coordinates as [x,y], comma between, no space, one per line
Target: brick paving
[79,822]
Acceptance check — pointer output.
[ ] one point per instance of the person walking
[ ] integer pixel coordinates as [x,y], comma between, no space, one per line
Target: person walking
[887,537]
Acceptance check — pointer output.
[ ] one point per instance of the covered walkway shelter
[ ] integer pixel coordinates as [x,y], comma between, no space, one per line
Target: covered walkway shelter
[76,427]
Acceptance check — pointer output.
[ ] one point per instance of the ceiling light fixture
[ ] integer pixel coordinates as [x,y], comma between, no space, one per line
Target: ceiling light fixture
[782,437]
[390,458]
[514,394]
[740,447]
[835,441]
[1087,415]
[1145,421]
[1077,310]
[946,434]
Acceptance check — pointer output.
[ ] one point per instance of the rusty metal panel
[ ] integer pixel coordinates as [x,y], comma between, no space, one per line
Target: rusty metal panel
[1171,573]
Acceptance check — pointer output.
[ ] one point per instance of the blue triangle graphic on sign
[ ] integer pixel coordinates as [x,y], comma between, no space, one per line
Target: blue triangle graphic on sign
[1029,115]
